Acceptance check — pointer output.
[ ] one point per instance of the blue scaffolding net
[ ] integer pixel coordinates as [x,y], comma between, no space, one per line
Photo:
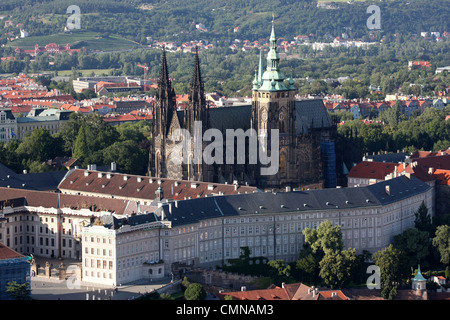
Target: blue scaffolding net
[329,164]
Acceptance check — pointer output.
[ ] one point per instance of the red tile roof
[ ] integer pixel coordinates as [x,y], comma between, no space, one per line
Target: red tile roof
[372,170]
[275,293]
[293,291]
[8,253]
[143,187]
[50,200]
[442,176]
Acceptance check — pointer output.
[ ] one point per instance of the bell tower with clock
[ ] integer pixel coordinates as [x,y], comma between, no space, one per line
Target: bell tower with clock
[273,107]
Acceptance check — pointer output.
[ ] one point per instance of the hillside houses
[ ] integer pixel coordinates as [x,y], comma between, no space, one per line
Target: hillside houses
[366,108]
[51,48]
[186,47]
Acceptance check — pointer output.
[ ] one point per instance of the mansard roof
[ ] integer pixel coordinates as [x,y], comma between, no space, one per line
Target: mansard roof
[31,181]
[143,187]
[77,202]
[376,195]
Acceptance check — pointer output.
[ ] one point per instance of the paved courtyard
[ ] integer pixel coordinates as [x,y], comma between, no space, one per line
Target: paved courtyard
[44,288]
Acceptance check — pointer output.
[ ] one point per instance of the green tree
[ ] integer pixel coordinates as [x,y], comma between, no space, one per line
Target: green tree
[128,157]
[195,291]
[38,146]
[166,296]
[69,131]
[325,238]
[415,244]
[393,269]
[307,266]
[36,166]
[185,283]
[279,271]
[80,147]
[93,137]
[423,220]
[336,267]
[442,243]
[18,291]
[392,116]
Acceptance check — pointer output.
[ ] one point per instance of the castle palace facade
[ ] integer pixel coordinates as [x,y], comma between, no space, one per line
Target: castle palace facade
[296,135]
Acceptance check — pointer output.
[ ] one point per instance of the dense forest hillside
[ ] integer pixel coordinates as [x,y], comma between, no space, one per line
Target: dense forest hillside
[117,25]
[176,19]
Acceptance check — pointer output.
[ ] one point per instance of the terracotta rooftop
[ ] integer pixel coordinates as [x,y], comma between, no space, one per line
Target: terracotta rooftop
[50,200]
[293,291]
[8,253]
[372,170]
[143,187]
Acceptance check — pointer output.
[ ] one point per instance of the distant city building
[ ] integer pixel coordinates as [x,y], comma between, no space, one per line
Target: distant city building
[50,119]
[23,33]
[51,48]
[84,83]
[8,125]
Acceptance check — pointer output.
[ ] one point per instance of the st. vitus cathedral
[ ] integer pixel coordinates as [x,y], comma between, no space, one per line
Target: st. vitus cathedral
[305,154]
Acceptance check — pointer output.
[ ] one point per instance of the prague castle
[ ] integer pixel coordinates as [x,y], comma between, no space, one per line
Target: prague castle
[306,154]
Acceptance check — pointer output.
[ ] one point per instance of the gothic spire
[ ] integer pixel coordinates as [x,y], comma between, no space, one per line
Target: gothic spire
[197,102]
[164,80]
[166,99]
[197,77]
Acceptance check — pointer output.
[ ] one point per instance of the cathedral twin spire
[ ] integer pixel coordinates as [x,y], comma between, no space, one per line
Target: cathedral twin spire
[166,101]
[197,103]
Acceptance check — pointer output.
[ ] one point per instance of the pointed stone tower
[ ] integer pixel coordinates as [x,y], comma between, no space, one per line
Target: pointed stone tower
[163,113]
[197,111]
[197,108]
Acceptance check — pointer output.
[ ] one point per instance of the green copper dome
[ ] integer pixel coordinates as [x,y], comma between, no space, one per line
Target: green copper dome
[419,276]
[273,78]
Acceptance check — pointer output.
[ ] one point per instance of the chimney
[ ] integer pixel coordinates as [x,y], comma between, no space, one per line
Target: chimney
[387,188]
[243,288]
[159,194]
[430,170]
